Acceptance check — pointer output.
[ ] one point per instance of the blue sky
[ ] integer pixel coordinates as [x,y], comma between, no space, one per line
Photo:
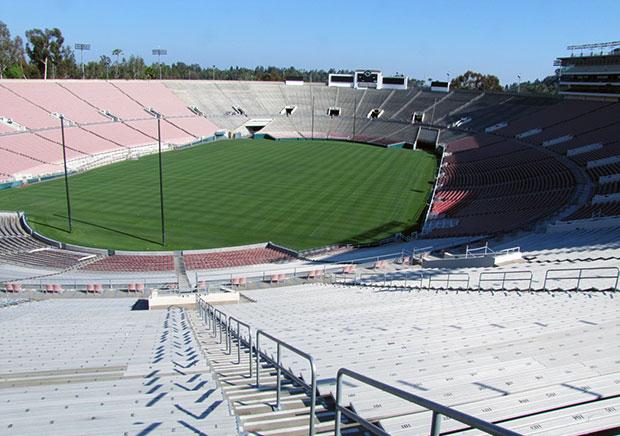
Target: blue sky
[421,39]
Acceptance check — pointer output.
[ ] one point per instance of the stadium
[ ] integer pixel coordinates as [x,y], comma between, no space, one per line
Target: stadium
[363,255]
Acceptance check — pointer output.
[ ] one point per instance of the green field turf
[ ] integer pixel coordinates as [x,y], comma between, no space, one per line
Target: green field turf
[300,194]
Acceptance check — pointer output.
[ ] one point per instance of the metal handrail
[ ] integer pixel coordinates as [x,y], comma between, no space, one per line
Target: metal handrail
[279,368]
[579,277]
[529,278]
[437,409]
[219,315]
[450,276]
[365,279]
[232,319]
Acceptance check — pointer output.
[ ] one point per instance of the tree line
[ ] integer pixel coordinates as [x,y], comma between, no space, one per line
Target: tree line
[44,54]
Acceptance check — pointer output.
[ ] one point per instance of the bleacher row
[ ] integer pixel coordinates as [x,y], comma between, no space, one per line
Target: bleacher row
[101,118]
[19,248]
[534,370]
[76,367]
[520,166]
[233,258]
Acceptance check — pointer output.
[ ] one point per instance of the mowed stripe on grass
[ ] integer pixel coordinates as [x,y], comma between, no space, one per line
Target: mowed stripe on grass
[300,194]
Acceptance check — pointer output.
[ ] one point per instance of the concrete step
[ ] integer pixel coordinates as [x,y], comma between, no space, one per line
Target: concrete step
[283,412]
[273,423]
[257,393]
[235,389]
[269,400]
[265,407]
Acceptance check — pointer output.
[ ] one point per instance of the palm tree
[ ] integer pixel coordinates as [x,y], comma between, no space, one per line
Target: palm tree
[117,52]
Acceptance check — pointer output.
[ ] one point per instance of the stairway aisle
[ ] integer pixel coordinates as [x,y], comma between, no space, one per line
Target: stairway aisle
[179,267]
[255,407]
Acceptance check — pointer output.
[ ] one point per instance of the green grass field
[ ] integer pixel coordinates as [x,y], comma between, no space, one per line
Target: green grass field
[300,194]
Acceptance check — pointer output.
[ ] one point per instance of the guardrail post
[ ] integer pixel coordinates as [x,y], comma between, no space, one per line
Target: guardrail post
[338,417]
[278,375]
[435,424]
[257,359]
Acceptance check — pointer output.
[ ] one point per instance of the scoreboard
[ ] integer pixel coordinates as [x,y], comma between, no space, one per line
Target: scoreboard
[367,79]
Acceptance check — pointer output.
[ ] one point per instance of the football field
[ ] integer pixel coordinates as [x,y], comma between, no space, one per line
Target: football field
[300,194]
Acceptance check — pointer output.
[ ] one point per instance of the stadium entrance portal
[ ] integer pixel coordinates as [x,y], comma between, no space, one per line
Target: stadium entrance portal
[257,125]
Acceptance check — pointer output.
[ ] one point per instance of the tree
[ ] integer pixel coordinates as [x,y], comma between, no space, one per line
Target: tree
[104,63]
[476,81]
[44,46]
[549,86]
[117,52]
[67,66]
[11,52]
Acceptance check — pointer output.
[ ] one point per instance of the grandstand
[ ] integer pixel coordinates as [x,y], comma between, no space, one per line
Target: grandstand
[529,346]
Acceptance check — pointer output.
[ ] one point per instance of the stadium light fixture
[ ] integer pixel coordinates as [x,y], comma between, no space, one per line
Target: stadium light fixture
[64,159]
[159,52]
[81,48]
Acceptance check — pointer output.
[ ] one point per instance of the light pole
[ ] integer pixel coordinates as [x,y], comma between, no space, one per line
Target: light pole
[213,68]
[518,84]
[81,48]
[159,52]
[64,158]
[312,129]
[161,183]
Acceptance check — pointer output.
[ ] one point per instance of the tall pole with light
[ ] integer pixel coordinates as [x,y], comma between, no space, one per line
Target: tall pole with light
[159,52]
[64,159]
[312,129]
[161,183]
[81,48]
[518,84]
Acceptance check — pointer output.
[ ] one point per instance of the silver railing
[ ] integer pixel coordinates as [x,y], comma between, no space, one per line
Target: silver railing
[231,320]
[217,318]
[279,368]
[495,276]
[437,409]
[581,274]
[449,278]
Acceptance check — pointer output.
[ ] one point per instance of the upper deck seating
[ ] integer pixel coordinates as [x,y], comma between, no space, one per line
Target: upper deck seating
[106,97]
[153,94]
[53,98]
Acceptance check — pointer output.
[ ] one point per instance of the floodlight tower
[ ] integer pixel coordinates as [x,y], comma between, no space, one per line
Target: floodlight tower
[64,159]
[159,52]
[81,48]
